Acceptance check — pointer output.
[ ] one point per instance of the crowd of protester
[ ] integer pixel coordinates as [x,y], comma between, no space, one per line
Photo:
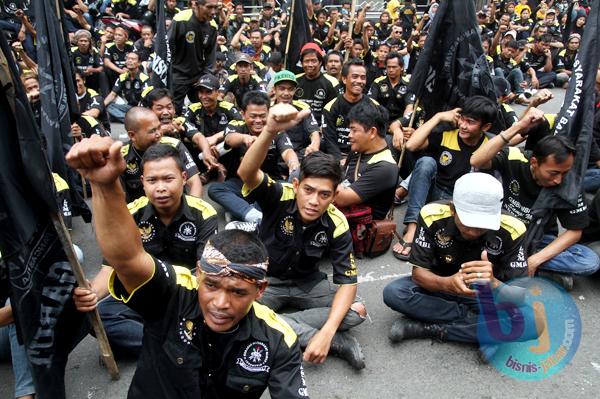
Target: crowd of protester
[308,159]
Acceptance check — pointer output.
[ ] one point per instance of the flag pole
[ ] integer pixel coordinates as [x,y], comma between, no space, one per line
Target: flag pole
[410,124]
[351,26]
[289,35]
[65,239]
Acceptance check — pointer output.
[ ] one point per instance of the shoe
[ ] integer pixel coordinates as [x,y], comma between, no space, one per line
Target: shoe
[250,227]
[522,100]
[408,329]
[346,347]
[564,280]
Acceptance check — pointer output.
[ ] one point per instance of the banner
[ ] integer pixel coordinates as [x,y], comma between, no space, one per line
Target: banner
[299,26]
[161,59]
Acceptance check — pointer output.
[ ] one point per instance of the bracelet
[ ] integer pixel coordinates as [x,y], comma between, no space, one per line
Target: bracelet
[506,141]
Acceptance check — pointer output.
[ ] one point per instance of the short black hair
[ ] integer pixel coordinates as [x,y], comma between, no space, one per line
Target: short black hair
[352,62]
[255,97]
[558,146]
[319,164]
[255,30]
[311,51]
[545,38]
[368,115]
[159,151]
[240,246]
[480,108]
[512,44]
[384,43]
[392,55]
[322,11]
[330,53]
[155,95]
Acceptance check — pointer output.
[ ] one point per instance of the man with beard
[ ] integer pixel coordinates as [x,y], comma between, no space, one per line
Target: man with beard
[239,136]
[315,88]
[335,113]
[333,64]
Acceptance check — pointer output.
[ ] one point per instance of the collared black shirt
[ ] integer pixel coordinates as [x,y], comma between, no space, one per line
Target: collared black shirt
[439,246]
[207,124]
[131,178]
[235,86]
[316,92]
[393,98]
[92,100]
[83,61]
[181,242]
[117,56]
[181,358]
[131,87]
[300,134]
[295,248]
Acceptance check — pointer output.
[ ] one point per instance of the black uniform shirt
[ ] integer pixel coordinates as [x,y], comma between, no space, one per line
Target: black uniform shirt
[118,56]
[83,61]
[317,92]
[295,248]
[209,125]
[439,246]
[235,86]
[131,89]
[92,100]
[393,98]
[181,359]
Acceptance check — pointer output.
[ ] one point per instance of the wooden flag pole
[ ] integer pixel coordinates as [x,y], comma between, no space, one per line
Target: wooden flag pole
[410,124]
[351,26]
[289,35]
[94,316]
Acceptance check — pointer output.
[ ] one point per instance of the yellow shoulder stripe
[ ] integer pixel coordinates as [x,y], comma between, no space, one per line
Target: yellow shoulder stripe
[514,226]
[125,149]
[450,140]
[59,183]
[287,192]
[333,80]
[551,118]
[433,212]
[339,220]
[169,140]
[204,207]
[380,79]
[185,278]
[137,204]
[329,105]
[275,322]
[383,156]
[184,15]
[195,106]
[90,119]
[226,104]
[301,104]
[514,154]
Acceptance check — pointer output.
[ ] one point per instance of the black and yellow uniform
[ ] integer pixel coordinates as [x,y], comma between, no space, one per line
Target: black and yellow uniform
[238,89]
[383,31]
[193,46]
[407,15]
[125,6]
[521,191]
[83,61]
[181,242]
[142,51]
[261,55]
[336,125]
[131,178]
[92,100]
[565,60]
[507,65]
[393,98]
[439,247]
[64,199]
[320,32]
[273,163]
[207,124]
[116,55]
[259,68]
[300,134]
[452,155]
[540,131]
[295,248]
[527,23]
[90,125]
[131,87]
[316,92]
[373,177]
[182,358]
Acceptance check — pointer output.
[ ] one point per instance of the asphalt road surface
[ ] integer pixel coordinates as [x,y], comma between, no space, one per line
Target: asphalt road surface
[416,368]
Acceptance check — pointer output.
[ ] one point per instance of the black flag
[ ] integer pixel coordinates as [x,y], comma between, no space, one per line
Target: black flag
[452,65]
[162,52]
[575,121]
[568,24]
[41,279]
[299,26]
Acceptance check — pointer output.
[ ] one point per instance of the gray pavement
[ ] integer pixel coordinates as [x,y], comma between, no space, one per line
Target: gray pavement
[417,368]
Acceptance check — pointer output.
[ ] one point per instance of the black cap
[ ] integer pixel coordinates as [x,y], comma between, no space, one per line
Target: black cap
[209,82]
[501,86]
[268,5]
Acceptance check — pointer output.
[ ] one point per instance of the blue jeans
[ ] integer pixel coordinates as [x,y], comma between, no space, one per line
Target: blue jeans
[10,348]
[514,77]
[422,188]
[591,180]
[27,43]
[118,111]
[229,195]
[124,327]
[577,259]
[459,315]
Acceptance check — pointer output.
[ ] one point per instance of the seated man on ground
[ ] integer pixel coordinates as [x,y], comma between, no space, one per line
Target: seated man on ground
[448,139]
[174,227]
[204,336]
[301,227]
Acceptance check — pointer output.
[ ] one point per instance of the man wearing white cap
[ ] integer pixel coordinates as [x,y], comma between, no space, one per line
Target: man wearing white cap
[460,247]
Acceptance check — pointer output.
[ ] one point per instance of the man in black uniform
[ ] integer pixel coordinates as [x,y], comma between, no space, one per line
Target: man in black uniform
[129,86]
[300,227]
[115,55]
[335,113]
[371,172]
[558,256]
[143,128]
[315,88]
[193,38]
[204,336]
[243,81]
[241,135]
[391,91]
[461,247]
[174,227]
[90,102]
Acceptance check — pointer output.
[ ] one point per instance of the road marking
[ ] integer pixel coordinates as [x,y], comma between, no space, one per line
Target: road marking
[596,366]
[369,278]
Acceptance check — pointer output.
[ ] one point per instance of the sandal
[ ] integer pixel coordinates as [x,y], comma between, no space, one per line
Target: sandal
[400,255]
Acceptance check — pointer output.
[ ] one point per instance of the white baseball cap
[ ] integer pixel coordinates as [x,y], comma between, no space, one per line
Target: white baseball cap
[477,199]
